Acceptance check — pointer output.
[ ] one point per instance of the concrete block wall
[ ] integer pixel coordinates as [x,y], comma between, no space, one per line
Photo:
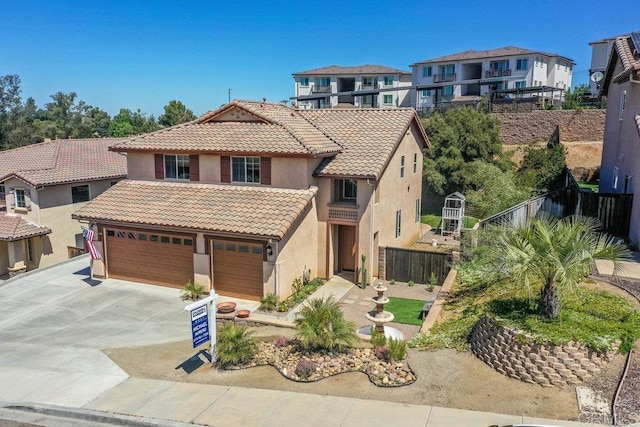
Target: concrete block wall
[540,125]
[547,365]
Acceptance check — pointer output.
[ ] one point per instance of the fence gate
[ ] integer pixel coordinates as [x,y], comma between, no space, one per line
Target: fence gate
[404,265]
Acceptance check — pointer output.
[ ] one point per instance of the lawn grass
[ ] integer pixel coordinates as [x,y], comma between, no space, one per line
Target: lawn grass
[405,310]
[591,185]
[434,220]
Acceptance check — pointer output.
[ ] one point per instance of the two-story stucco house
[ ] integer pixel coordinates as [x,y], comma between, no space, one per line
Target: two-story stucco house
[248,197]
[41,185]
[620,150]
[468,75]
[365,86]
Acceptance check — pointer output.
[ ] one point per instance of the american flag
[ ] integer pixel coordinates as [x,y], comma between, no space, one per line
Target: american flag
[87,233]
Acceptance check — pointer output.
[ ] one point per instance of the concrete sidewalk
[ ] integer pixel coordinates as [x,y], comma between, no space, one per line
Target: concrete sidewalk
[236,406]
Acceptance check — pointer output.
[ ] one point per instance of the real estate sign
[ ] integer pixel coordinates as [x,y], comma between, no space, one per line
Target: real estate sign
[200,325]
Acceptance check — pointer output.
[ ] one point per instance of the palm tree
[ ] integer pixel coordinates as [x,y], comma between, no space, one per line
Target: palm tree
[321,325]
[552,253]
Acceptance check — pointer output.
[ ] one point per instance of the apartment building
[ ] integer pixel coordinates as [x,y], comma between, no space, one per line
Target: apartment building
[600,53]
[509,71]
[364,86]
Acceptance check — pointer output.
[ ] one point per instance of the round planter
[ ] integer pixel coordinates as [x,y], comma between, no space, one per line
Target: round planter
[226,307]
[242,314]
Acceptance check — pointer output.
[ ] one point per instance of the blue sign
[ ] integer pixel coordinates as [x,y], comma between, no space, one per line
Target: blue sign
[200,325]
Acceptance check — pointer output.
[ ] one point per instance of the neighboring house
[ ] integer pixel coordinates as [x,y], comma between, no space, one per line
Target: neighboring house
[40,186]
[365,86]
[247,198]
[466,76]
[620,153]
[600,53]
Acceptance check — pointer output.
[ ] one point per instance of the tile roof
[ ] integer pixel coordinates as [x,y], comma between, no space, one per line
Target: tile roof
[276,129]
[254,211]
[358,69]
[369,137]
[63,160]
[629,57]
[490,53]
[16,227]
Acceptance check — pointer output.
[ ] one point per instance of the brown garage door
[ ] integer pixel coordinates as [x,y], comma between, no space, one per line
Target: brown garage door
[237,269]
[140,256]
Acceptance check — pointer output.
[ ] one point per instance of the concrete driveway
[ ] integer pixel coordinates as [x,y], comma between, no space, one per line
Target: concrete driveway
[54,322]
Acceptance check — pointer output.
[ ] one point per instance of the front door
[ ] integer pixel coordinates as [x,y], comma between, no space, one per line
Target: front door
[347,242]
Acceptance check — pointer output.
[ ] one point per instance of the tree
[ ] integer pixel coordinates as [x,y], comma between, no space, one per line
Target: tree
[321,325]
[175,113]
[128,123]
[553,253]
[491,190]
[459,136]
[541,168]
[9,101]
[574,100]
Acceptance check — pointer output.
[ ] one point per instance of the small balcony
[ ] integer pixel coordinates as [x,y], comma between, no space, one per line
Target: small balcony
[445,77]
[370,86]
[497,73]
[321,89]
[343,212]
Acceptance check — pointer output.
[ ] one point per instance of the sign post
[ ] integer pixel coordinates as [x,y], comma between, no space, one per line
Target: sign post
[203,323]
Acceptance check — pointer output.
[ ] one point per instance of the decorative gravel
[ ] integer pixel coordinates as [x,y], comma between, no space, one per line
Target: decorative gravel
[285,359]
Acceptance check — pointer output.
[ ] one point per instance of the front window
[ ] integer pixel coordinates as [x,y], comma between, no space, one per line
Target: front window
[80,194]
[447,90]
[401,166]
[30,256]
[387,99]
[426,71]
[176,166]
[367,81]
[388,80]
[398,223]
[521,84]
[323,82]
[415,162]
[426,93]
[346,190]
[245,169]
[623,99]
[418,205]
[522,64]
[2,194]
[304,81]
[20,199]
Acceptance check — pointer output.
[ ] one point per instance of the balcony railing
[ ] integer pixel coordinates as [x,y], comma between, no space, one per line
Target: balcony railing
[343,214]
[445,77]
[497,73]
[371,86]
[321,89]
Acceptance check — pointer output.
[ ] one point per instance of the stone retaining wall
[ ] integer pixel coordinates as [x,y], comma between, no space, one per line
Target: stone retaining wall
[540,125]
[547,365]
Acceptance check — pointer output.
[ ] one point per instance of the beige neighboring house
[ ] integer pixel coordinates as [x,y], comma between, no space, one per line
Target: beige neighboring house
[248,197]
[620,150]
[40,186]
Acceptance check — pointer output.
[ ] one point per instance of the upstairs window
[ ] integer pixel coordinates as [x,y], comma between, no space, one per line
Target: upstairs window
[415,162]
[2,193]
[245,169]
[176,166]
[80,194]
[426,93]
[304,81]
[367,82]
[387,99]
[346,190]
[398,223]
[522,64]
[401,166]
[323,81]
[21,201]
[388,80]
[427,71]
[521,84]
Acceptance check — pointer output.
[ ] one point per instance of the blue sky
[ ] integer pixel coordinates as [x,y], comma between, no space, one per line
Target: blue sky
[142,54]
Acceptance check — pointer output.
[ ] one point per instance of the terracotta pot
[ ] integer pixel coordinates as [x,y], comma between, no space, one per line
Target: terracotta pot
[226,307]
[243,313]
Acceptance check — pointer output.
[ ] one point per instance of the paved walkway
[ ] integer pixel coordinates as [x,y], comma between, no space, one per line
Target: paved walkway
[628,269]
[54,322]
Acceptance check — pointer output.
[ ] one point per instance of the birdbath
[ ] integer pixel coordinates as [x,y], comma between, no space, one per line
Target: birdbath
[379,317]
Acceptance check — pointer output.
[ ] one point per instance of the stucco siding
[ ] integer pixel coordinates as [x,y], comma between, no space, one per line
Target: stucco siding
[140,166]
[4,257]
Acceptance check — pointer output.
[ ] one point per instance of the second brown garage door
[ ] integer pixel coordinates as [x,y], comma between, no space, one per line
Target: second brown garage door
[149,257]
[237,269]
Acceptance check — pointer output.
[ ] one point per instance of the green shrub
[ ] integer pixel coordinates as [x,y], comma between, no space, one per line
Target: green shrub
[235,345]
[192,291]
[433,281]
[269,302]
[283,306]
[321,325]
[392,281]
[397,349]
[411,283]
[378,339]
[430,288]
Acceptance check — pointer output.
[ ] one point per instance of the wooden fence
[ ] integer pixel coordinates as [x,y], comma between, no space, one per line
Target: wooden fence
[612,210]
[404,265]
